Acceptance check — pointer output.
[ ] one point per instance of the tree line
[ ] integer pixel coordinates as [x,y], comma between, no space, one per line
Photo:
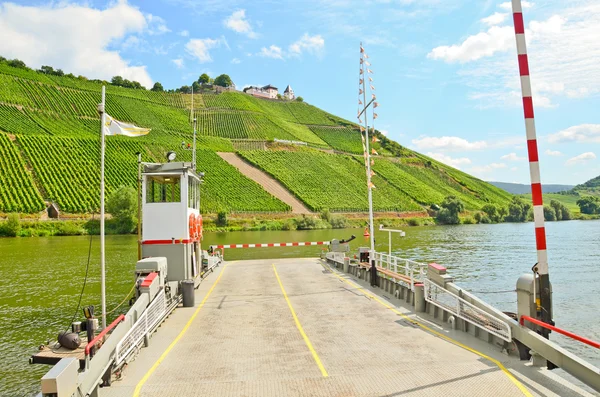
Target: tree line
[201,83]
[517,210]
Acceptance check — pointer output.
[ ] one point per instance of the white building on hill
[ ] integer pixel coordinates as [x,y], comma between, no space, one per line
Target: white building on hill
[289,93]
[267,91]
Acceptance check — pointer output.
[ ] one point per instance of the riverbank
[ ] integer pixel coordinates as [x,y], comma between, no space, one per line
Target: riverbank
[84,224]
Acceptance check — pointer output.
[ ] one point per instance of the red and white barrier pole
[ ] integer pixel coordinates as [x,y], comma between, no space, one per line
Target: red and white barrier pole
[534,166]
[269,245]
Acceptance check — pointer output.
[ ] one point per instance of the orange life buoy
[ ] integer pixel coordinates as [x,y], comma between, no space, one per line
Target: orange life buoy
[199,226]
[192,226]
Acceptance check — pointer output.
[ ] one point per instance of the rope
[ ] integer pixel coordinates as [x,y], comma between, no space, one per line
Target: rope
[123,301]
[87,268]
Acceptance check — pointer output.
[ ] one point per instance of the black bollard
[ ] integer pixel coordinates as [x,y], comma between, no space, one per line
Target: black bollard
[373,274]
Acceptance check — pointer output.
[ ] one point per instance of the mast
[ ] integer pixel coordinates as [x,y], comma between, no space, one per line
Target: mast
[541,266]
[194,138]
[102,242]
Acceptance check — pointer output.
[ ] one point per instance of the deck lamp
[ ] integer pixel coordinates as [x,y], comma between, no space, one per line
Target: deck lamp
[171,156]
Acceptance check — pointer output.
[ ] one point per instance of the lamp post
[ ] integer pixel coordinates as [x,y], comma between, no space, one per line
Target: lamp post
[390,231]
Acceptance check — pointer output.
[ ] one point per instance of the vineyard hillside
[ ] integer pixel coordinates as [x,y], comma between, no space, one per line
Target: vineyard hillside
[50,151]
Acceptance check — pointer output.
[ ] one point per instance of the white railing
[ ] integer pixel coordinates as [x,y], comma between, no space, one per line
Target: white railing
[145,324]
[462,309]
[415,271]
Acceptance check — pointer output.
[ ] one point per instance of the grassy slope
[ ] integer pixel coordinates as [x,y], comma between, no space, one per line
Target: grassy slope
[41,116]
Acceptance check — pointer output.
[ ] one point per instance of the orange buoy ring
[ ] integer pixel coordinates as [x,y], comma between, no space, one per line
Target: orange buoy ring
[366,233]
[192,226]
[199,227]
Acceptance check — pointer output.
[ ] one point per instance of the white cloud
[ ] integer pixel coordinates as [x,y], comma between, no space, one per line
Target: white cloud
[184,33]
[563,50]
[483,44]
[384,132]
[582,158]
[486,169]
[448,143]
[72,37]
[311,44]
[238,23]
[495,19]
[272,52]
[555,153]
[199,48]
[508,6]
[514,169]
[156,25]
[512,157]
[453,162]
[583,133]
[178,62]
[235,61]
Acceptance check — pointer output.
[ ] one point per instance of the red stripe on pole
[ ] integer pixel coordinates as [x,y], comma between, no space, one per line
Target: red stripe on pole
[245,245]
[536,194]
[528,107]
[519,25]
[271,245]
[308,243]
[294,244]
[523,65]
[532,150]
[181,241]
[540,238]
[320,243]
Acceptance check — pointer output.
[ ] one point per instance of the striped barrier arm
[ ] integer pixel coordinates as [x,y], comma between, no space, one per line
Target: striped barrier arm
[532,150]
[296,244]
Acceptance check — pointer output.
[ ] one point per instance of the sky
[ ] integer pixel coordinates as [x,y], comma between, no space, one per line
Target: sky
[445,71]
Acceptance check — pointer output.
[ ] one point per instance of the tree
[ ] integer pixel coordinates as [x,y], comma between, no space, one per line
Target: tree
[549,213]
[184,89]
[203,79]
[561,211]
[451,207]
[492,213]
[299,99]
[122,205]
[157,87]
[196,87]
[59,72]
[17,63]
[117,80]
[279,96]
[589,205]
[223,80]
[46,69]
[517,210]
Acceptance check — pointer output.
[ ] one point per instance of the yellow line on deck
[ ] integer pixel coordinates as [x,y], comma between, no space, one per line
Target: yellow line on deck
[306,340]
[439,334]
[138,388]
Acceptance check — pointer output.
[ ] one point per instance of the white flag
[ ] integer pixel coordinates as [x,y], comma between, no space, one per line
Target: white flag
[115,127]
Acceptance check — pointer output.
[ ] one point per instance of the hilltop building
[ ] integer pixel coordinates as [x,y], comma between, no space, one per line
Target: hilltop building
[269,91]
[289,93]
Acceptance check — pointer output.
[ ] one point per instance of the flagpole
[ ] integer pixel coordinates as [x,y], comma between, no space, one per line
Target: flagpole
[102,248]
[370,189]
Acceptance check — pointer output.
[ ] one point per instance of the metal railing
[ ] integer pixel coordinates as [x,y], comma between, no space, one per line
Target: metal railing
[145,324]
[88,348]
[460,308]
[415,271]
[560,331]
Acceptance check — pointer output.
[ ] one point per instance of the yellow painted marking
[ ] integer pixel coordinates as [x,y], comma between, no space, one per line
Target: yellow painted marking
[299,326]
[439,334]
[138,388]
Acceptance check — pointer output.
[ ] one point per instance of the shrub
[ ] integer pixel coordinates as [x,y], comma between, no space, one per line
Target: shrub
[518,210]
[12,227]
[414,222]
[469,220]
[549,213]
[338,222]
[221,219]
[451,207]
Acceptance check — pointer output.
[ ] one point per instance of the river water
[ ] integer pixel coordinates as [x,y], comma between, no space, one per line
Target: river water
[41,278]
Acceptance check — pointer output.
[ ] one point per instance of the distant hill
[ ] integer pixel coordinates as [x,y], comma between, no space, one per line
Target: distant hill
[591,187]
[49,151]
[519,188]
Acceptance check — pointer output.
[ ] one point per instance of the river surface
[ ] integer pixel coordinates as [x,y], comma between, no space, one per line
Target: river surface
[41,278]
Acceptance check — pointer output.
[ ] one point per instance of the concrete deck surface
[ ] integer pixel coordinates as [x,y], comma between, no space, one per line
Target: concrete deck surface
[244,341]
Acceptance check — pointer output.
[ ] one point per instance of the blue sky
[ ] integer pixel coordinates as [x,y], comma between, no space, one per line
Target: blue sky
[445,71]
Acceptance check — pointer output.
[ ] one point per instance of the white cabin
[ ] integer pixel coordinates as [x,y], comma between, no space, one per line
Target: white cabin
[171,220]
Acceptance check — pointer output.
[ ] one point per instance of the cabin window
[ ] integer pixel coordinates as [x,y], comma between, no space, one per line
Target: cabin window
[163,189]
[193,193]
